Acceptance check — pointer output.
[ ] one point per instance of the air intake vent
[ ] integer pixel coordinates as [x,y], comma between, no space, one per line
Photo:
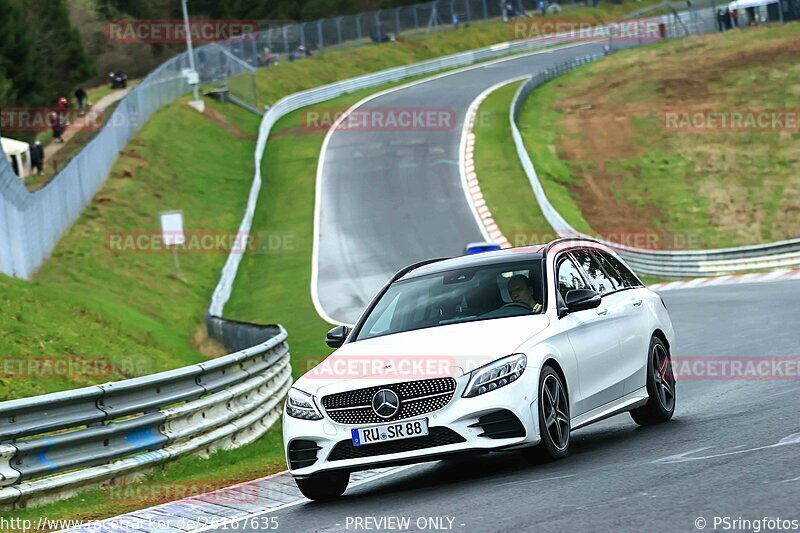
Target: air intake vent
[302,453]
[502,424]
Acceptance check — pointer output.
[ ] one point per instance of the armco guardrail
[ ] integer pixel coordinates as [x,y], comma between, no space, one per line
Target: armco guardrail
[668,263]
[54,444]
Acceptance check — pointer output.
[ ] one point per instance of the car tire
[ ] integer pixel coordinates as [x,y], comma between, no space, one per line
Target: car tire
[554,423]
[324,486]
[660,386]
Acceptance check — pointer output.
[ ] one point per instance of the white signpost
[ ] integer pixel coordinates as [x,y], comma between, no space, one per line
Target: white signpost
[172,233]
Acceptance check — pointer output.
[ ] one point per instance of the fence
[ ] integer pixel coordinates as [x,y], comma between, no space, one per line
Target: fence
[54,444]
[679,263]
[32,222]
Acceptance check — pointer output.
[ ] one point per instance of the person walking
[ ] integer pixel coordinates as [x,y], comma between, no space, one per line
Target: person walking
[37,157]
[81,97]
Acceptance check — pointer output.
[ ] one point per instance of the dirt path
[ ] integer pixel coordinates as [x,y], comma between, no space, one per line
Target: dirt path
[98,107]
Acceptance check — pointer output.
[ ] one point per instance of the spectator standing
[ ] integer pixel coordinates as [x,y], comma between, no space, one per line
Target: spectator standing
[455,21]
[37,157]
[543,7]
[81,97]
[58,120]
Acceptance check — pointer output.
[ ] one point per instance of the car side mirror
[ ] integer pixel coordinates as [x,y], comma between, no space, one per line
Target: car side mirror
[581,300]
[336,336]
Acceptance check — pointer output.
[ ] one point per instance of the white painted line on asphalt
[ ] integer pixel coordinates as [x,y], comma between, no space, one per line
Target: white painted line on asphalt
[731,279]
[794,438]
[536,480]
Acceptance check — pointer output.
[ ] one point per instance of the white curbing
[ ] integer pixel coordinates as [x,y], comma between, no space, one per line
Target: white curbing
[469,177]
[766,277]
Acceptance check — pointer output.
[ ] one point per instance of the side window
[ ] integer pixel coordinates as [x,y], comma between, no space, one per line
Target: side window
[610,270]
[569,277]
[624,272]
[597,277]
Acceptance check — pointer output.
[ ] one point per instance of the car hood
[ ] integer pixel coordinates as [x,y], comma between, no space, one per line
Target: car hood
[441,351]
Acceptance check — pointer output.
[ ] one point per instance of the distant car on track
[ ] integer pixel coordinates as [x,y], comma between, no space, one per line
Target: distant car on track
[480,247]
[502,350]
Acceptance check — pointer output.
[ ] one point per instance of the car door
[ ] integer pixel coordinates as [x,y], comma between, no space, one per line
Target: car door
[634,335]
[593,339]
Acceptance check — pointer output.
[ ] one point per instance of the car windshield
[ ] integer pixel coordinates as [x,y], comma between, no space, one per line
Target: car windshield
[463,295]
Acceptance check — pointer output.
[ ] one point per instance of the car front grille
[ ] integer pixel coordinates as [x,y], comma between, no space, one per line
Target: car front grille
[437,436]
[416,398]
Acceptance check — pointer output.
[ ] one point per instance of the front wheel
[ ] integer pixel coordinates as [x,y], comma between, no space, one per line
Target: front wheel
[554,424]
[324,486]
[660,387]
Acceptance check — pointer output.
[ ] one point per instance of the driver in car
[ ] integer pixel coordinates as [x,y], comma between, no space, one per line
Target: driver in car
[521,291]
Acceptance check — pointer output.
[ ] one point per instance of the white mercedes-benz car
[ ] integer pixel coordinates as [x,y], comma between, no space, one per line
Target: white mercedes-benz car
[502,350]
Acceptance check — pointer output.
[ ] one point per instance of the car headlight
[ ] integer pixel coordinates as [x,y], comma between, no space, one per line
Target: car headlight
[301,405]
[495,375]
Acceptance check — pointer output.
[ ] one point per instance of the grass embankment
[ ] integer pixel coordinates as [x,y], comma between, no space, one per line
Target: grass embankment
[337,64]
[90,305]
[610,161]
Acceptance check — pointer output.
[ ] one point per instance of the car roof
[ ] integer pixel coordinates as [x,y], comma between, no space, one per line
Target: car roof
[508,255]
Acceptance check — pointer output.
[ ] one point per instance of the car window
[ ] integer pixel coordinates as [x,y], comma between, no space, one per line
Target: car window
[463,295]
[591,267]
[609,269]
[569,277]
[628,277]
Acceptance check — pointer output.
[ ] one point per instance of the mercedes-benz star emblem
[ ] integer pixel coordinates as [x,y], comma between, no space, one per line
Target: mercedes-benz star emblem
[385,403]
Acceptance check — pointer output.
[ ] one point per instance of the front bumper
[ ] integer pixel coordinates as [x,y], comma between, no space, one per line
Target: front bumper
[453,429]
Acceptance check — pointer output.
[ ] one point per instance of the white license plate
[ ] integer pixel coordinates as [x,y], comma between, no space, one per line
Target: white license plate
[395,431]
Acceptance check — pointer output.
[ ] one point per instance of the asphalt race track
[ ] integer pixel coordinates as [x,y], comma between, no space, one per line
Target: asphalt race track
[391,198]
[731,449]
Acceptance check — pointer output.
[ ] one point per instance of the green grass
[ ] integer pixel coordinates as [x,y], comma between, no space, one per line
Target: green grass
[602,125]
[87,303]
[502,179]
